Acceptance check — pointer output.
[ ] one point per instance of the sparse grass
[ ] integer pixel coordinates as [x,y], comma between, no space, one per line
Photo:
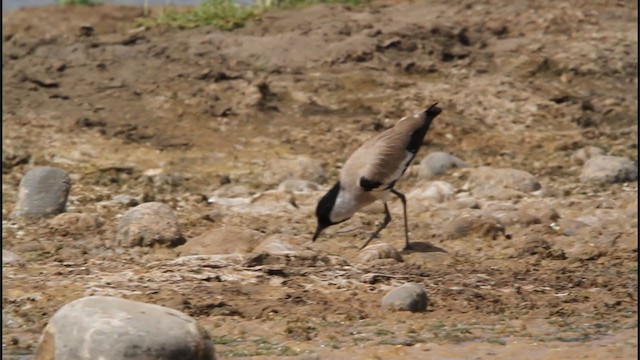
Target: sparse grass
[262,347]
[228,14]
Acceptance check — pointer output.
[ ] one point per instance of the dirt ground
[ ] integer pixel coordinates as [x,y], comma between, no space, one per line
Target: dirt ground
[182,115]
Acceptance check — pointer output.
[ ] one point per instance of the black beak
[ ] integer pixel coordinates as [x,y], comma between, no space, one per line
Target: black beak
[317,233]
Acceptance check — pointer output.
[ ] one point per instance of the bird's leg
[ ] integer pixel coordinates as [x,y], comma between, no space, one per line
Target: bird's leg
[395,192]
[385,222]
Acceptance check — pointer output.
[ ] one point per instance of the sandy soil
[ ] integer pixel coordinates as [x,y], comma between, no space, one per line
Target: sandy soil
[181,115]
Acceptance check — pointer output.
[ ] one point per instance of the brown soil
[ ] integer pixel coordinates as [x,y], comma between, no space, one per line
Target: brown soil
[523,84]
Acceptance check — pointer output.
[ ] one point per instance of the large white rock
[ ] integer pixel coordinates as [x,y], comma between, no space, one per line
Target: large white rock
[609,169]
[102,327]
[149,224]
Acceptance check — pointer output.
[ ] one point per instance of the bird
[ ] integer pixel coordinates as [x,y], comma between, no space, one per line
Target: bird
[371,173]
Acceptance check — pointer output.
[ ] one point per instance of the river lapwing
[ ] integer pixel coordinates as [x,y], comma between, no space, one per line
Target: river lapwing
[372,171]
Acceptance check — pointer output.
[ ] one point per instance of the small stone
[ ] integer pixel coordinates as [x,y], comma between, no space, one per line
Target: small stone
[582,155]
[464,201]
[428,260]
[378,252]
[43,192]
[433,192]
[437,163]
[570,227]
[408,297]
[222,240]
[297,185]
[509,215]
[501,182]
[76,222]
[277,245]
[9,258]
[609,169]
[476,222]
[545,212]
[294,167]
[102,327]
[125,199]
[149,224]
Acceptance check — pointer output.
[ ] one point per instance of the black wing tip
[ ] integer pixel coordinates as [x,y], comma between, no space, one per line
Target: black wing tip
[433,110]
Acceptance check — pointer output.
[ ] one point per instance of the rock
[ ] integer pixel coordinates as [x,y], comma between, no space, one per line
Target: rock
[581,156]
[294,167]
[378,252]
[126,200]
[297,185]
[464,201]
[102,327]
[632,208]
[545,212]
[509,215]
[222,240]
[473,223]
[570,227]
[43,192]
[432,192]
[76,222]
[501,183]
[429,260]
[408,297]
[149,224]
[9,258]
[609,169]
[277,245]
[437,163]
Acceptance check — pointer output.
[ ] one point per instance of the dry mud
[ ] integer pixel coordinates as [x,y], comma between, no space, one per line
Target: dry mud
[179,116]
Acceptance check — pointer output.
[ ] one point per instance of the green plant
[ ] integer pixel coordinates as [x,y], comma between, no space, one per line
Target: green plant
[227,14]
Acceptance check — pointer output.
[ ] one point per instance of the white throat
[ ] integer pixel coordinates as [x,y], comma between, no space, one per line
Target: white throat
[344,208]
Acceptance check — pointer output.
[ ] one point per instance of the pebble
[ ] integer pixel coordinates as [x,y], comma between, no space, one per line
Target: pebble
[501,183]
[222,240]
[103,327]
[408,297]
[277,245]
[294,167]
[581,156]
[378,252]
[149,224]
[298,185]
[464,201]
[76,222]
[475,222]
[609,169]
[43,192]
[433,192]
[545,212]
[9,258]
[428,260]
[437,164]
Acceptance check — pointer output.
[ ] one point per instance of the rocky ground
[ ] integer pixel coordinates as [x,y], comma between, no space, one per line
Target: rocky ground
[525,242]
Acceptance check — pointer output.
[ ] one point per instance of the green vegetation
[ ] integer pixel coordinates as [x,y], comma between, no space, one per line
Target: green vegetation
[76,2]
[228,14]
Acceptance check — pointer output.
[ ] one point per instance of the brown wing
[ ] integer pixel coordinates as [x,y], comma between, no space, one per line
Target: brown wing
[382,159]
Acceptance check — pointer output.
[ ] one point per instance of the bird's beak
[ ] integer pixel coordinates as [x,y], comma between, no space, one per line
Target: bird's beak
[317,233]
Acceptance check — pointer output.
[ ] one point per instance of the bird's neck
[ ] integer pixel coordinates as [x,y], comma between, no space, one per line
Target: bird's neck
[346,205]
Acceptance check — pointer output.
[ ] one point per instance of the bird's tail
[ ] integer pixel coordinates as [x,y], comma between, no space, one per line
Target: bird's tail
[433,111]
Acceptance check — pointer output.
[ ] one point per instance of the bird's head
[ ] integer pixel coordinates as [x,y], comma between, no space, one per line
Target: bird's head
[325,208]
